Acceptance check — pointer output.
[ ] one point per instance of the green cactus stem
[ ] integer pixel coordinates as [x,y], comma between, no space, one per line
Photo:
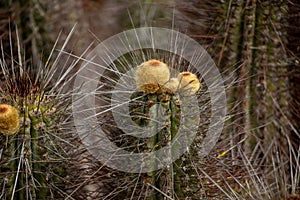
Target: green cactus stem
[164,129]
[26,157]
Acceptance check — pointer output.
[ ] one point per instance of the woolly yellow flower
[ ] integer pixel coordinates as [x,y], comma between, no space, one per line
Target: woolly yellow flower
[172,85]
[151,75]
[9,119]
[188,83]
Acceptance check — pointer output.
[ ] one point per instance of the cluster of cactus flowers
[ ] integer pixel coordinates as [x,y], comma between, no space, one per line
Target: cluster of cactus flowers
[156,88]
[153,76]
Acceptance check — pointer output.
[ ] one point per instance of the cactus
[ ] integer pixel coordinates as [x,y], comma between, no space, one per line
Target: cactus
[159,92]
[32,161]
[247,32]
[254,43]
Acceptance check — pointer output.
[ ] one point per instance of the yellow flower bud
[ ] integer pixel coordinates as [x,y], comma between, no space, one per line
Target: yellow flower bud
[172,85]
[188,83]
[9,119]
[151,75]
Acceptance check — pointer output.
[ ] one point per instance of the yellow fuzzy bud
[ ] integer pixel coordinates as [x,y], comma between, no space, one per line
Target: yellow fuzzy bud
[172,85]
[9,119]
[188,83]
[151,75]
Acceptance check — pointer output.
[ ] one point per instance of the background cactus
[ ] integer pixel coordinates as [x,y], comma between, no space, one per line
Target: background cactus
[248,38]
[33,161]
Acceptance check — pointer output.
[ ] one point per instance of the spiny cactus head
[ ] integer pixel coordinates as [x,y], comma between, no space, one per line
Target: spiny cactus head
[9,119]
[188,83]
[151,75]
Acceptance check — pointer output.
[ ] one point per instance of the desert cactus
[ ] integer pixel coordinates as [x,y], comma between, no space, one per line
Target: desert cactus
[162,95]
[32,161]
